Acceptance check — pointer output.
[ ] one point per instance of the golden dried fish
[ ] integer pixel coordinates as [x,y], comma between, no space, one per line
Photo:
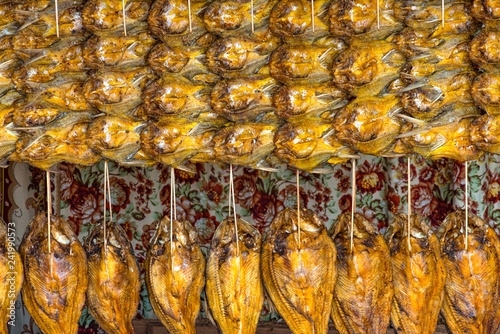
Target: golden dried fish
[427,15]
[58,143]
[486,92]
[234,17]
[299,273]
[114,283]
[449,140]
[173,141]
[46,68]
[8,136]
[369,124]
[292,20]
[472,287]
[118,91]
[240,55]
[235,291]
[244,99]
[245,144]
[189,62]
[366,69]
[172,96]
[55,282]
[114,137]
[175,275]
[418,275]
[294,102]
[437,93]
[485,50]
[487,12]
[65,95]
[41,23]
[485,133]
[305,63]
[358,19]
[105,17]
[363,293]
[11,275]
[169,20]
[118,51]
[307,144]
[9,62]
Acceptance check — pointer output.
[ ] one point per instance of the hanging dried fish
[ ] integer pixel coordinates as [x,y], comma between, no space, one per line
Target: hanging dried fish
[418,275]
[305,63]
[235,291]
[363,293]
[307,144]
[296,102]
[369,125]
[55,282]
[299,270]
[246,144]
[175,275]
[114,282]
[244,99]
[472,287]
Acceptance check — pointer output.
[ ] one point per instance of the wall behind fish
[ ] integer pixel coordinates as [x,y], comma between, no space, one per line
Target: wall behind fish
[141,196]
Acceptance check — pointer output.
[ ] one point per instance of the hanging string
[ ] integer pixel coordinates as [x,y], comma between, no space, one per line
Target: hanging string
[378,14]
[231,195]
[57,18]
[442,13]
[124,15]
[104,232]
[312,14]
[466,205]
[298,206]
[353,207]
[251,7]
[409,204]
[189,13]
[49,209]
[173,213]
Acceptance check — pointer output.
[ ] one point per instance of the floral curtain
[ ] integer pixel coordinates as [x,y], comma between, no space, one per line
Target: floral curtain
[141,196]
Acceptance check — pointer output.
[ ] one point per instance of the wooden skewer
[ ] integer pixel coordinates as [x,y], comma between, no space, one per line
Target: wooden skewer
[442,13]
[104,213]
[57,18]
[49,209]
[312,14]
[251,7]
[189,13]
[466,205]
[409,205]
[124,18]
[353,205]
[378,14]
[173,213]
[298,206]
[231,195]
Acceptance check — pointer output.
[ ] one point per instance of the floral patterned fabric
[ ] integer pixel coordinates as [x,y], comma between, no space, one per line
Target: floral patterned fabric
[140,197]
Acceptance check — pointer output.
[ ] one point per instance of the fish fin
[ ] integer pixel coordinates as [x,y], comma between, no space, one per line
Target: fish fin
[27,24]
[418,84]
[412,120]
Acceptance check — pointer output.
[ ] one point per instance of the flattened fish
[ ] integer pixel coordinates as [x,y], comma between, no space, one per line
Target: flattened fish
[363,293]
[418,275]
[472,287]
[11,276]
[114,283]
[234,286]
[300,277]
[54,283]
[175,288]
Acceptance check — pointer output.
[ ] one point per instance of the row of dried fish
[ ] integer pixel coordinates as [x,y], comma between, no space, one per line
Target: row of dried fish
[353,276]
